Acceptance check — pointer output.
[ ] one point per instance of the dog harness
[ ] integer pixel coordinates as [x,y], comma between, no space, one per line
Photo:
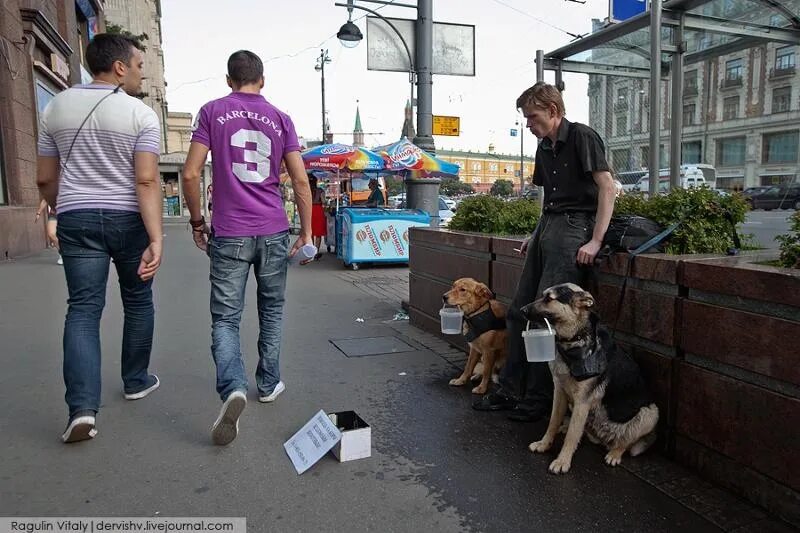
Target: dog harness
[481,323]
[586,361]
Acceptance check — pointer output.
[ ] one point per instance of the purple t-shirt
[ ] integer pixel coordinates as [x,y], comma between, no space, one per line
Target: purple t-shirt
[248,138]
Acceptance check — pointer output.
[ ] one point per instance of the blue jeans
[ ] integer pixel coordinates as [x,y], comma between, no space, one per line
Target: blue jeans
[231,259]
[89,239]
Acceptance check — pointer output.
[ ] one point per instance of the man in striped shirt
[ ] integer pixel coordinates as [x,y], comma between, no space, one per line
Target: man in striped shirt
[98,167]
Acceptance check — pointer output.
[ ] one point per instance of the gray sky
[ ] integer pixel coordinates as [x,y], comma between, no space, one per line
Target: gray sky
[199,35]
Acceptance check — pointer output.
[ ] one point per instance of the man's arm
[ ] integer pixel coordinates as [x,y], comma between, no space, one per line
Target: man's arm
[148,192]
[192,172]
[606,194]
[47,178]
[302,197]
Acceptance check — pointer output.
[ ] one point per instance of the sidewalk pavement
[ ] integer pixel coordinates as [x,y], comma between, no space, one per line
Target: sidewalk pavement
[436,464]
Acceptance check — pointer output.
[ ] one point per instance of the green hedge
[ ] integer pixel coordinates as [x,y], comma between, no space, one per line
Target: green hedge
[706,214]
[706,229]
[790,243]
[487,214]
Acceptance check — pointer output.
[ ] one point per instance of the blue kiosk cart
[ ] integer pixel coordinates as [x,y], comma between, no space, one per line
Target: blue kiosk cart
[376,235]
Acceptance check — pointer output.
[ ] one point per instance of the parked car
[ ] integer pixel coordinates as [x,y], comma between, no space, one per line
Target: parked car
[751,192]
[531,193]
[780,197]
[451,204]
[630,179]
[445,214]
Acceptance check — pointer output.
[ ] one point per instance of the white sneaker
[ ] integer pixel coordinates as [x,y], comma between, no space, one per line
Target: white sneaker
[79,428]
[60,261]
[226,427]
[279,388]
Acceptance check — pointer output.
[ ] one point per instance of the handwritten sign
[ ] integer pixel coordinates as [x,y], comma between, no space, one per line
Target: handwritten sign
[314,440]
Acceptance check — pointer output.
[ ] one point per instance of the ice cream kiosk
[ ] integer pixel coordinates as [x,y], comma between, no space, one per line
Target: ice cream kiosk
[377,235]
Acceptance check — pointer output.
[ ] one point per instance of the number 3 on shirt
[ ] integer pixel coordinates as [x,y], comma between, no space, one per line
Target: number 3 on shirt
[259,156]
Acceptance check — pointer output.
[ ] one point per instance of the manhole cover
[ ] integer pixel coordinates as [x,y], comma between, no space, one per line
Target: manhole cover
[372,346]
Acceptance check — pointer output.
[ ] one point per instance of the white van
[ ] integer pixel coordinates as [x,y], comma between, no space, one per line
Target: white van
[691,176]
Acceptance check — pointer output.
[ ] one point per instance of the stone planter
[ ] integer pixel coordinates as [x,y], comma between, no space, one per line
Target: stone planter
[716,338]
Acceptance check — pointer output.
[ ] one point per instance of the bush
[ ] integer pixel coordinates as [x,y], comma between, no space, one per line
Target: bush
[707,217]
[487,214]
[790,243]
[453,187]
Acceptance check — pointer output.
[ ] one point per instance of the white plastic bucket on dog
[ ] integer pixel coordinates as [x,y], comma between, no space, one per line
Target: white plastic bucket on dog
[540,344]
[451,319]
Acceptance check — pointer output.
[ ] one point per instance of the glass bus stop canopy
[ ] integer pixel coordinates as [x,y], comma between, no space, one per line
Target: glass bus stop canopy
[691,31]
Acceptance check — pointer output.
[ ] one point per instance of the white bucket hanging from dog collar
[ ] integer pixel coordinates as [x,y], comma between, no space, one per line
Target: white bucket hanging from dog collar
[451,319]
[540,344]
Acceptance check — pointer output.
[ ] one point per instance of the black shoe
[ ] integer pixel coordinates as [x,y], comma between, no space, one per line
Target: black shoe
[529,413]
[494,402]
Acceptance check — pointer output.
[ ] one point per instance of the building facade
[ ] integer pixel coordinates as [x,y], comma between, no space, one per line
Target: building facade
[740,113]
[482,169]
[144,17]
[178,129]
[41,44]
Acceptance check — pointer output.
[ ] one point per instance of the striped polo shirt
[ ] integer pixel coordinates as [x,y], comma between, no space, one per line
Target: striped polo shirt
[97,170]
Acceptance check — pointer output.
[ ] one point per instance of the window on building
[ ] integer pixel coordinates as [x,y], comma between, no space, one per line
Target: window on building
[781,99]
[690,80]
[476,166]
[730,152]
[645,156]
[44,93]
[622,124]
[688,114]
[622,94]
[781,147]
[493,167]
[691,152]
[784,58]
[621,159]
[733,69]
[777,21]
[730,108]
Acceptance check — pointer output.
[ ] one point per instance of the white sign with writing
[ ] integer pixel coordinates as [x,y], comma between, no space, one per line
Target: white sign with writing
[314,440]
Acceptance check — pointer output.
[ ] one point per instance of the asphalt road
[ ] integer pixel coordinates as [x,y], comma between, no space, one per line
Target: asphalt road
[765,225]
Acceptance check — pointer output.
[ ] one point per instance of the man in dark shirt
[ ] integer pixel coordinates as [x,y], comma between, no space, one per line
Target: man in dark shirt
[578,202]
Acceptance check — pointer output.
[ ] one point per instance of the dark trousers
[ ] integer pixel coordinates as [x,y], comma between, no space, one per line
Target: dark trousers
[550,260]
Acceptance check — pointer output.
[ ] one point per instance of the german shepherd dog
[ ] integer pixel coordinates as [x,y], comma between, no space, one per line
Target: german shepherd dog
[603,386]
[484,328]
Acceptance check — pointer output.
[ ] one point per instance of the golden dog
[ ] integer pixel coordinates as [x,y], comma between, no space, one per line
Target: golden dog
[603,385]
[488,347]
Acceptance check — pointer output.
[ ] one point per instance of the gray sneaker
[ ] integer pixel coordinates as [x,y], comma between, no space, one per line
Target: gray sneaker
[142,393]
[272,396]
[226,427]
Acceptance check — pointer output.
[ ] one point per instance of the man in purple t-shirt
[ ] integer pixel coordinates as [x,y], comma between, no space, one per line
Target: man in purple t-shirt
[248,138]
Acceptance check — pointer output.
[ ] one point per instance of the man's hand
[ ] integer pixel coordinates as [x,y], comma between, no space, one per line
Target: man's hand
[524,248]
[51,233]
[151,260]
[302,240]
[200,237]
[588,252]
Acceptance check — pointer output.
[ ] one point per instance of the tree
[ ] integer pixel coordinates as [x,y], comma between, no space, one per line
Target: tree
[453,187]
[502,188]
[394,185]
[119,30]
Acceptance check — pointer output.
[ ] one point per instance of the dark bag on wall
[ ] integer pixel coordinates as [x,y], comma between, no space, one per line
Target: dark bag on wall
[627,233]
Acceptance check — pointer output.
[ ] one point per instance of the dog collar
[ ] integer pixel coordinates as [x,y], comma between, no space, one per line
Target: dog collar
[482,322]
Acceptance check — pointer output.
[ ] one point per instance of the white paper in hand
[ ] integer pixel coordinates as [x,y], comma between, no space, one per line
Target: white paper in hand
[314,440]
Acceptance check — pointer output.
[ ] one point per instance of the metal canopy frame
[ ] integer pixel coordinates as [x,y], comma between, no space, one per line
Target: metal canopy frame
[674,16]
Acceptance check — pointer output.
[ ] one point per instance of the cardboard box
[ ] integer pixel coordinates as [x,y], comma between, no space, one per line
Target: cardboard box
[356,442]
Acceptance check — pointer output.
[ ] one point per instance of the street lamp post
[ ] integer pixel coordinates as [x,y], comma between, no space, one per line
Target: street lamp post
[320,67]
[421,193]
[521,157]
